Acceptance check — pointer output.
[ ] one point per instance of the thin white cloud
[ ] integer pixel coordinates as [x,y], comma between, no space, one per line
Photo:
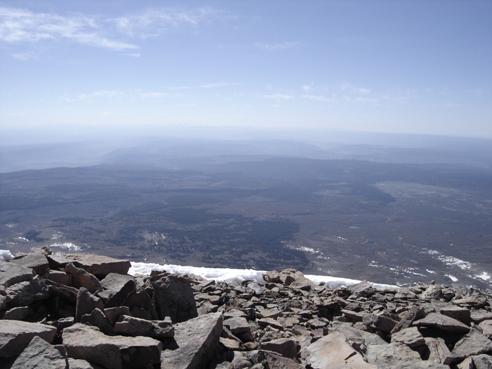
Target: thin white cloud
[347,87]
[276,46]
[316,98]
[23,25]
[278,97]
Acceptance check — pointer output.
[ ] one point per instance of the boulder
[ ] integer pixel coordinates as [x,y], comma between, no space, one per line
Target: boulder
[174,297]
[11,273]
[456,312]
[86,303]
[381,322]
[25,293]
[443,323]
[438,350]
[116,289]
[474,343]
[130,326]
[397,355]
[82,278]
[364,289]
[58,277]
[116,352]
[98,265]
[272,360]
[283,346]
[410,337]
[39,354]
[333,351]
[15,336]
[98,319]
[194,343]
[482,361]
[36,262]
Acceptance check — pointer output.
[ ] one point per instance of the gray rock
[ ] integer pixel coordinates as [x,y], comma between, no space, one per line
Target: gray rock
[410,337]
[443,323]
[240,327]
[174,297]
[466,364]
[141,305]
[474,343]
[273,360]
[98,265]
[36,262]
[17,313]
[458,313]
[408,317]
[116,289]
[397,355]
[380,322]
[116,352]
[86,303]
[130,326]
[283,346]
[194,343]
[364,289]
[64,292]
[98,319]
[81,364]
[438,350]
[11,273]
[15,335]
[25,293]
[353,334]
[82,278]
[58,277]
[482,361]
[113,314]
[332,351]
[486,327]
[39,354]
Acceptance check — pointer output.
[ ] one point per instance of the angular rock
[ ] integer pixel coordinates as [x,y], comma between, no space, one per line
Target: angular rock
[11,273]
[410,337]
[353,334]
[113,314]
[458,313]
[486,327]
[273,360]
[25,293]
[408,317]
[474,343]
[443,323]
[397,355]
[283,346]
[17,313]
[116,352]
[82,278]
[194,343]
[58,277]
[36,262]
[466,364]
[332,351]
[64,292]
[15,335]
[141,306]
[364,289]
[81,364]
[482,361]
[174,297]
[86,303]
[240,328]
[116,289]
[130,326]
[98,319]
[380,322]
[438,350]
[39,354]
[98,265]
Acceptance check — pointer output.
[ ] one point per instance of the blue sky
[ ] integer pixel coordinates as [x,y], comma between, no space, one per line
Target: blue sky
[378,66]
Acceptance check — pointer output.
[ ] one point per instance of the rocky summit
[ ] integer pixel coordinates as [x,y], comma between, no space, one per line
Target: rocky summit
[85,311]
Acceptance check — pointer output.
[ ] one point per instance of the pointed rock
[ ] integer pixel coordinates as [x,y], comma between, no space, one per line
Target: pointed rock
[410,337]
[11,273]
[15,335]
[86,303]
[474,343]
[443,323]
[194,343]
[174,297]
[82,278]
[111,352]
[39,354]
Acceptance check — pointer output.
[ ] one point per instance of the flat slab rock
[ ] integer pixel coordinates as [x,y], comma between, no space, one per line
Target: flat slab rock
[111,352]
[15,336]
[11,273]
[397,355]
[194,343]
[98,265]
[442,322]
[39,354]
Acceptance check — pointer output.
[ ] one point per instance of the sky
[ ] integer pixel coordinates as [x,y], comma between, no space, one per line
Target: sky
[415,66]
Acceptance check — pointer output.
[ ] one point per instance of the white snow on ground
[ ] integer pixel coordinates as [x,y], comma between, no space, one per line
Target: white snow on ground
[239,275]
[452,277]
[67,245]
[450,260]
[6,255]
[484,276]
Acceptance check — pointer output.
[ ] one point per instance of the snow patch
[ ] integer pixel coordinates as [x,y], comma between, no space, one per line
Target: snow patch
[484,276]
[67,245]
[452,277]
[6,255]
[238,275]
[450,260]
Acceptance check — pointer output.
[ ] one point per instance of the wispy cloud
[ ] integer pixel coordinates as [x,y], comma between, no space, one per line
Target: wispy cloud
[347,87]
[278,97]
[317,98]
[22,26]
[276,46]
